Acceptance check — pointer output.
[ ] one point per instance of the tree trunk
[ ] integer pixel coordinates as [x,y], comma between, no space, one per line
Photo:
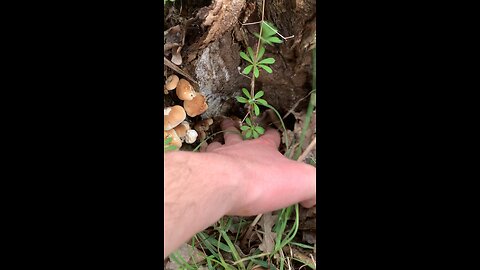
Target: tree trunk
[214,38]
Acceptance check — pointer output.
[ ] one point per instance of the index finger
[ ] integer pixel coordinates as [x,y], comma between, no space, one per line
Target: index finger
[232,135]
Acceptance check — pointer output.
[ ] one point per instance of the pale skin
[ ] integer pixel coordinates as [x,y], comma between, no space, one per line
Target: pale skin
[241,178]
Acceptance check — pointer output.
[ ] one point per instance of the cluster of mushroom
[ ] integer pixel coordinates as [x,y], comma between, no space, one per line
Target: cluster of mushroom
[174,117]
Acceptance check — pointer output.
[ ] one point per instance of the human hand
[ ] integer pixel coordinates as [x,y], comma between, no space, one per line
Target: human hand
[270,181]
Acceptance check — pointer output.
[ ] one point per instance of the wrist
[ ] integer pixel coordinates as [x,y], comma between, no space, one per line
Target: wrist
[219,175]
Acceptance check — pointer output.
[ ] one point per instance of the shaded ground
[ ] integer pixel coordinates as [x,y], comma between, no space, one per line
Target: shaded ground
[208,37]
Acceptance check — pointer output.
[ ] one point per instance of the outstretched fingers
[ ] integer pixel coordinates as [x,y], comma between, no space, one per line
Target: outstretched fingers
[271,137]
[231,134]
[213,146]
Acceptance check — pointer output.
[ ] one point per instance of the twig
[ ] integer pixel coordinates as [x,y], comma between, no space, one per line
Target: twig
[239,72]
[302,157]
[252,82]
[248,233]
[276,32]
[314,263]
[243,120]
[292,152]
[255,221]
[171,65]
[252,23]
[296,104]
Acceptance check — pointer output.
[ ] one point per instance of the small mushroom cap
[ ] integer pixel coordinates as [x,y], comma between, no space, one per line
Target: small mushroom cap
[182,129]
[176,56]
[173,116]
[175,139]
[185,90]
[203,124]
[171,82]
[196,106]
[191,136]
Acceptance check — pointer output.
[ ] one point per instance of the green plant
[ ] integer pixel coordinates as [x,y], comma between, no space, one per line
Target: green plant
[256,62]
[166,145]
[220,245]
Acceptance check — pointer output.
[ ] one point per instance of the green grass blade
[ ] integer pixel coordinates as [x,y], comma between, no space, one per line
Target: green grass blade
[281,121]
[311,105]
[232,247]
[207,244]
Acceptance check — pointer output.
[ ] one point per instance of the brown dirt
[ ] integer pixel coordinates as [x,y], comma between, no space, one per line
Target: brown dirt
[211,51]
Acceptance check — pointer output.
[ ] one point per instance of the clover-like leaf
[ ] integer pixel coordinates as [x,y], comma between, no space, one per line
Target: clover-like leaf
[261,102]
[246,93]
[269,33]
[259,94]
[275,40]
[269,61]
[260,53]
[256,72]
[249,122]
[248,134]
[256,109]
[250,52]
[247,69]
[243,128]
[259,129]
[262,39]
[268,30]
[255,134]
[266,68]
[245,56]
[241,99]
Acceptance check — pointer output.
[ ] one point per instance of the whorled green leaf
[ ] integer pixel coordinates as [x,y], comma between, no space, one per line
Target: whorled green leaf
[241,99]
[250,52]
[268,29]
[275,40]
[246,93]
[259,94]
[269,61]
[256,109]
[262,102]
[243,128]
[269,33]
[249,122]
[266,68]
[248,134]
[255,134]
[256,72]
[245,56]
[259,129]
[170,148]
[260,53]
[247,69]
[262,40]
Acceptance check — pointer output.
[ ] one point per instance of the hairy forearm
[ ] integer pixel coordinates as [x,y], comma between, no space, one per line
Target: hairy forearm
[197,194]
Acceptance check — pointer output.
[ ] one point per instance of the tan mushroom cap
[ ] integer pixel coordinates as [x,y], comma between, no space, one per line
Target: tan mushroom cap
[172,82]
[185,90]
[196,106]
[176,141]
[182,129]
[173,116]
